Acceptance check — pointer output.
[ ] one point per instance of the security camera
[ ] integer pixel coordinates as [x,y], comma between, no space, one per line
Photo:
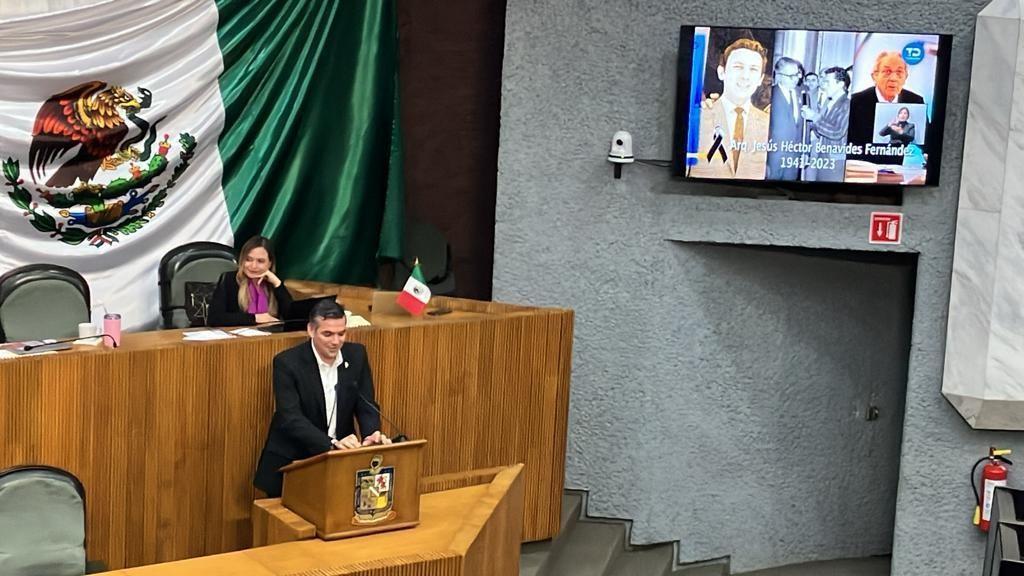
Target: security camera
[621,151]
[622,148]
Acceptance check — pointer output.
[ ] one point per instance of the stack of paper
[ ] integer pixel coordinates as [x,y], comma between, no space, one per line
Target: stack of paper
[203,335]
[355,320]
[859,171]
[249,332]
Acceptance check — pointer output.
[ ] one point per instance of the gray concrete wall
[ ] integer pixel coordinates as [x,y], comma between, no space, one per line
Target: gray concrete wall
[704,376]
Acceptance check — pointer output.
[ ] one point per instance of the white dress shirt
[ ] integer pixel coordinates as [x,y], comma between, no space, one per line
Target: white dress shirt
[794,107]
[329,379]
[730,116]
[878,94]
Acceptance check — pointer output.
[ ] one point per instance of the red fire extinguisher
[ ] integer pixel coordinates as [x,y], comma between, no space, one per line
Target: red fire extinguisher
[993,474]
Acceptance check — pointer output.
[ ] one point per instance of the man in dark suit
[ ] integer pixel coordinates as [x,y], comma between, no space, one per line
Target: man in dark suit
[890,75]
[786,125]
[320,388]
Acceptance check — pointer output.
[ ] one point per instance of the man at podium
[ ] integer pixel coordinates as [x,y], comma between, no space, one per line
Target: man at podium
[321,388]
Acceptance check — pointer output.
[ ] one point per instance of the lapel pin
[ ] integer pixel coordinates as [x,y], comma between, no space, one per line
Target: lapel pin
[346,364]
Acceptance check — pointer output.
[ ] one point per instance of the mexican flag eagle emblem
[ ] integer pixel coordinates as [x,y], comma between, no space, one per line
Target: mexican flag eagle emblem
[95,170]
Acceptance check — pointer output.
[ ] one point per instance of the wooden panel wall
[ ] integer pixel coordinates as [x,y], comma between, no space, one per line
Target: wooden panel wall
[165,435]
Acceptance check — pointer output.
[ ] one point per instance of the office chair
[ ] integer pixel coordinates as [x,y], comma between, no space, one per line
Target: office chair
[425,242]
[42,522]
[42,301]
[195,263]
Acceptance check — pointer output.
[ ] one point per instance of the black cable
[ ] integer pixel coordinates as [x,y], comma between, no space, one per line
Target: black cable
[974,486]
[654,162]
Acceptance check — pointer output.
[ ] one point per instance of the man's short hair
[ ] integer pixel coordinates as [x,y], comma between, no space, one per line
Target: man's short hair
[882,55]
[745,44]
[786,60]
[841,74]
[326,310]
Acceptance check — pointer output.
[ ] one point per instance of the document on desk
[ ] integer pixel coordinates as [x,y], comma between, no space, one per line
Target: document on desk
[8,355]
[34,347]
[247,332]
[355,320]
[204,335]
[17,349]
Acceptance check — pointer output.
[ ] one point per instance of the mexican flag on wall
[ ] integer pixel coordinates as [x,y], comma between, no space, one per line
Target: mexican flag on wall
[128,128]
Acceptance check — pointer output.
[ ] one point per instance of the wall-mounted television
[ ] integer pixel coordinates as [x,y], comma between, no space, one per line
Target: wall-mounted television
[810,106]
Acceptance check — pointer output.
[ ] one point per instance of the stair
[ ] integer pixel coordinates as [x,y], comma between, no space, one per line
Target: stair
[535,557]
[599,547]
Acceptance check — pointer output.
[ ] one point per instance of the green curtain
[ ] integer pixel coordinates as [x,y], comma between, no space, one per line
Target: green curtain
[312,139]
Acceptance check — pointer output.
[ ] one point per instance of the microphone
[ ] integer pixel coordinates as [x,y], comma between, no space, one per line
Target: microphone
[56,345]
[398,438]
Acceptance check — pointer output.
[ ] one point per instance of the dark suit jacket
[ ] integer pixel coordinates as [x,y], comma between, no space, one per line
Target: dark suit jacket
[831,127]
[299,427]
[786,126]
[224,309]
[862,113]
[905,138]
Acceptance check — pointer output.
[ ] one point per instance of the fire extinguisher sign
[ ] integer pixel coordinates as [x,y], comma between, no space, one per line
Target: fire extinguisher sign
[886,228]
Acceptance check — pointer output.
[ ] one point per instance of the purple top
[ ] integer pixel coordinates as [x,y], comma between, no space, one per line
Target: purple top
[258,301]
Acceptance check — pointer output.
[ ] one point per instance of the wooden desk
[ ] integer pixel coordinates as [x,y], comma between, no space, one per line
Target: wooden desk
[165,434]
[468,531]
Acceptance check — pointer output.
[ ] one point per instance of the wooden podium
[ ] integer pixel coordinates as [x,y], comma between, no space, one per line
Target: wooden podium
[354,492]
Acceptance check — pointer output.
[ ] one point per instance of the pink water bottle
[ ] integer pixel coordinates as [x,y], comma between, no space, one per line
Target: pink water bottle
[112,326]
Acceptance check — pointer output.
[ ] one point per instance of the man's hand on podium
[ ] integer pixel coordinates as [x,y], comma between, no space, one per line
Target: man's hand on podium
[376,438]
[350,441]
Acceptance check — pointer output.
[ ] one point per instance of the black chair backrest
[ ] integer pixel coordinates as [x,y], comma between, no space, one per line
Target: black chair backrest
[17,279]
[52,470]
[425,242]
[178,266]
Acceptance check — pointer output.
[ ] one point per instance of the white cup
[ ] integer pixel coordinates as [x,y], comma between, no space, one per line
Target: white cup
[87,329]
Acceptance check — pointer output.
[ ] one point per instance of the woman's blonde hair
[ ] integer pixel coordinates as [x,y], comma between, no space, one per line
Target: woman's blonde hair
[243,280]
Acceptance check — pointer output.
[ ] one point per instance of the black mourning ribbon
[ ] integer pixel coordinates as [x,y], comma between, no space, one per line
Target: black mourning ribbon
[717,147]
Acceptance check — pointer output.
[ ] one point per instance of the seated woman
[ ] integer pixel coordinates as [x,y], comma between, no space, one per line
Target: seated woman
[253,294]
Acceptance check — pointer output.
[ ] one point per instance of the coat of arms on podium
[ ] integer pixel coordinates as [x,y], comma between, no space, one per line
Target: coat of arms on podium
[374,497]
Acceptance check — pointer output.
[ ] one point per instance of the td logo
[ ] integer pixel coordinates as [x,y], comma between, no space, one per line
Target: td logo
[913,53]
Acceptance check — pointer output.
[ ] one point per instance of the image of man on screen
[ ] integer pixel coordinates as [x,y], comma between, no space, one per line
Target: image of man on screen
[831,125]
[812,88]
[788,95]
[732,126]
[890,74]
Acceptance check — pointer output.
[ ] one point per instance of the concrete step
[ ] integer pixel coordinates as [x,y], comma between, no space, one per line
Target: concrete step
[652,561]
[535,557]
[873,566]
[710,568]
[590,549]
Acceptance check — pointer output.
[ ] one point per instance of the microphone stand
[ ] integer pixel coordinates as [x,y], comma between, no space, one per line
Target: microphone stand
[52,345]
[400,437]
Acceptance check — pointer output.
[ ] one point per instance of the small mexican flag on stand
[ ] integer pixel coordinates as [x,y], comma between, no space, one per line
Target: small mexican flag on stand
[415,295]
